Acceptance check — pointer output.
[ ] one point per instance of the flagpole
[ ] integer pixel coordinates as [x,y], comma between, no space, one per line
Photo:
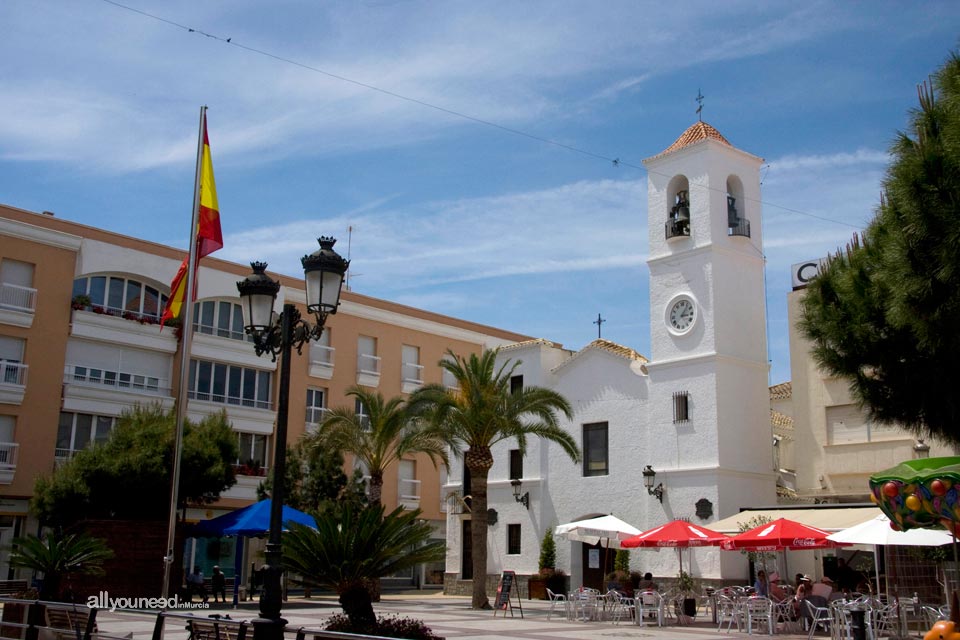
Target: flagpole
[186,334]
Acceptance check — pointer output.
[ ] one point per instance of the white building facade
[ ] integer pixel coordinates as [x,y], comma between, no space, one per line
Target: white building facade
[697,412]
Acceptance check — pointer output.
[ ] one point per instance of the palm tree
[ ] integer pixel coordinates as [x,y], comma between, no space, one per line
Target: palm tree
[57,556]
[385,433]
[353,547]
[481,412]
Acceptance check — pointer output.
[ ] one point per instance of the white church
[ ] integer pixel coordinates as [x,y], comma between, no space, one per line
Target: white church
[697,412]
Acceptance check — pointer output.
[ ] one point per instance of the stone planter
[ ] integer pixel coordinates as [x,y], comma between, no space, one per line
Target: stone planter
[536,589]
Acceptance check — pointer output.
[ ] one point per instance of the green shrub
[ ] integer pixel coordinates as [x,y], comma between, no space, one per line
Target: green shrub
[386,626]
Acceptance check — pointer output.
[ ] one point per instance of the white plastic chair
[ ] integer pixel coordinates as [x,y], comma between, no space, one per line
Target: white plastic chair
[556,598]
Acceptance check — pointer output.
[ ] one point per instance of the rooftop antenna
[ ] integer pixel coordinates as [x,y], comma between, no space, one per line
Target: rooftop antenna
[346,282]
[699,105]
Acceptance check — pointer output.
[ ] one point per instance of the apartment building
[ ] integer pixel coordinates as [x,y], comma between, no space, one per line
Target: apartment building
[80,343]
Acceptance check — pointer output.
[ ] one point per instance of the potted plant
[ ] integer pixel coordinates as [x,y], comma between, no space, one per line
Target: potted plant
[80,301]
[687,587]
[537,583]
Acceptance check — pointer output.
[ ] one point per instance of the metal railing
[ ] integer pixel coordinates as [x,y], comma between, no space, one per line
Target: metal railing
[315,415]
[322,355]
[17,298]
[368,364]
[221,398]
[75,373]
[8,455]
[13,373]
[741,228]
[409,491]
[412,372]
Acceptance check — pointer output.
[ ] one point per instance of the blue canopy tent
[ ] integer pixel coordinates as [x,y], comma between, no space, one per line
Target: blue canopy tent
[248,522]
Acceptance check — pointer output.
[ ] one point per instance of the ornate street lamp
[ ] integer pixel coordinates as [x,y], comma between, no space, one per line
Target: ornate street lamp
[921,449]
[323,272]
[649,477]
[522,499]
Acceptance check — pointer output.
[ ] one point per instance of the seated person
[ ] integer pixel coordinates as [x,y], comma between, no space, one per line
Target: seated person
[823,589]
[647,584]
[777,593]
[761,587]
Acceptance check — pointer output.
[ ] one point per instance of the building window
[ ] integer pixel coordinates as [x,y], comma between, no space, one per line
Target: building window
[847,424]
[316,405]
[362,414]
[120,296]
[253,454]
[77,431]
[516,384]
[516,464]
[229,384]
[595,459]
[513,539]
[412,371]
[448,379]
[367,360]
[681,407]
[12,369]
[16,285]
[219,318]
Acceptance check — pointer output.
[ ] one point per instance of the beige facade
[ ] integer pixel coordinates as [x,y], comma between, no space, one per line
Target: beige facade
[69,368]
[836,447]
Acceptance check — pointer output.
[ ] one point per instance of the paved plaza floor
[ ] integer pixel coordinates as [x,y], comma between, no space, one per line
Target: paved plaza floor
[447,616]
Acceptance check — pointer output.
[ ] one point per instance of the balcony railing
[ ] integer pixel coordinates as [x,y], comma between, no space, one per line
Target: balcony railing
[8,455]
[17,298]
[225,399]
[740,228]
[315,415]
[138,383]
[254,471]
[368,364]
[412,372]
[13,373]
[409,493]
[677,228]
[321,355]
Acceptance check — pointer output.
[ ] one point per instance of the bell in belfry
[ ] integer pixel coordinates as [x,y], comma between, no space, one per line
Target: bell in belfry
[732,218]
[681,210]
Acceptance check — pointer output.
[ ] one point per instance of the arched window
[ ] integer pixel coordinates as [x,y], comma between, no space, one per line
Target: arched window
[737,223]
[121,296]
[678,217]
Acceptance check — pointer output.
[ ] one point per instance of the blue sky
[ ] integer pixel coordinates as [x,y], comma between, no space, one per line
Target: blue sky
[99,107]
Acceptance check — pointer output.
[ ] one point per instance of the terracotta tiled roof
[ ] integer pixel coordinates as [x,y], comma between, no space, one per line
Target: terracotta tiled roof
[617,349]
[528,343]
[782,391]
[699,132]
[782,420]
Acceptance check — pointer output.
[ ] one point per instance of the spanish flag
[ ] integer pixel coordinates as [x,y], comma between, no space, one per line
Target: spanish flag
[209,238]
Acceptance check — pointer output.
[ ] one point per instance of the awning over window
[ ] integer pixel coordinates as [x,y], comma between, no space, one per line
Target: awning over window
[829,518]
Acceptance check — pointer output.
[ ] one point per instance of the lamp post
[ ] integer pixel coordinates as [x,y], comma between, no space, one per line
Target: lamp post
[323,273]
[921,449]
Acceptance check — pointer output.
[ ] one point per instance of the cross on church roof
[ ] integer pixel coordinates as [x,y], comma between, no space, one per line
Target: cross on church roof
[699,105]
[599,322]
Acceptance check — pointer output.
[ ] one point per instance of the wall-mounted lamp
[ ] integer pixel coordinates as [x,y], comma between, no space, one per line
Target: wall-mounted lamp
[921,449]
[649,477]
[522,499]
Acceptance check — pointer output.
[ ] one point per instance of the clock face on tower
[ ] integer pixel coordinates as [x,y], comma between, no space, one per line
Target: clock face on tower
[681,314]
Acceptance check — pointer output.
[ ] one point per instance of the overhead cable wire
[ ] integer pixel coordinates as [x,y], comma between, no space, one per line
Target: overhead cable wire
[616,162]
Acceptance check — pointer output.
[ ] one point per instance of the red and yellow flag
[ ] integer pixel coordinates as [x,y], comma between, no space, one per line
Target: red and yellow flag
[209,238]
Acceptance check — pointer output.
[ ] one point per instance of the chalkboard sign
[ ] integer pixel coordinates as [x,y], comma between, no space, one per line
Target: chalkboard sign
[503,591]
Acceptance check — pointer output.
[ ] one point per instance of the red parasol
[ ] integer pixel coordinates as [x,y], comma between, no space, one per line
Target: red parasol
[678,533]
[781,534]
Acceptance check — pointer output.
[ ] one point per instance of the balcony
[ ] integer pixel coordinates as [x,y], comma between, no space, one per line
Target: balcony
[251,471]
[17,304]
[411,377]
[368,370]
[116,327]
[315,416]
[13,382]
[321,361]
[408,493]
[741,227]
[8,461]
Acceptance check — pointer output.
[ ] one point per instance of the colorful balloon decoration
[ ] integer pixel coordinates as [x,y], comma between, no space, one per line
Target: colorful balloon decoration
[921,494]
